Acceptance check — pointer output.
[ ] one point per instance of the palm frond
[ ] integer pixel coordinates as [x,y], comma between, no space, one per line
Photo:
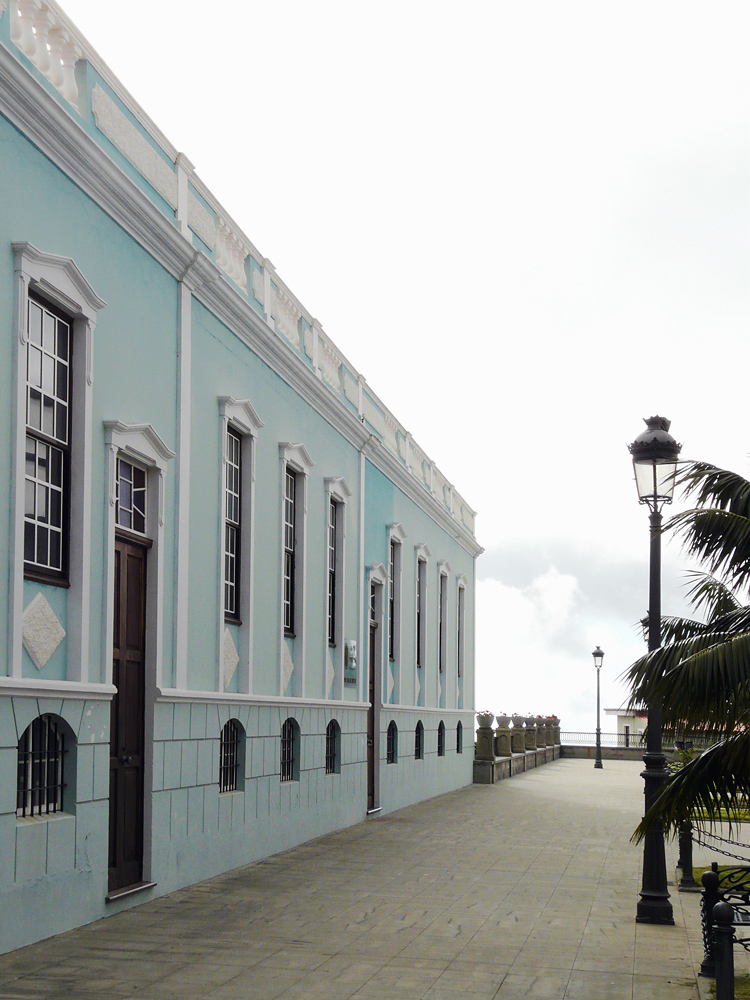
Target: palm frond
[711,486]
[674,629]
[702,682]
[715,786]
[705,591]
[719,538]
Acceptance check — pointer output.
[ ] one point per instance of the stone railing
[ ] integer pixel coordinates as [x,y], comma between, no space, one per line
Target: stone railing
[41,32]
[514,735]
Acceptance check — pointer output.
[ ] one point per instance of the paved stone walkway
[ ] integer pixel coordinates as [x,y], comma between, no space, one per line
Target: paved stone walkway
[525,889]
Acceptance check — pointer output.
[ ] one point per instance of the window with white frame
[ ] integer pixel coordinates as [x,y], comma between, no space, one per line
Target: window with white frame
[394,598]
[130,496]
[232,523]
[460,628]
[334,517]
[442,621]
[421,598]
[290,549]
[49,342]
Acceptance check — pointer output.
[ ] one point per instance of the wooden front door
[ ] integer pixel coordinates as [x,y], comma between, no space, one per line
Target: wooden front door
[126,735]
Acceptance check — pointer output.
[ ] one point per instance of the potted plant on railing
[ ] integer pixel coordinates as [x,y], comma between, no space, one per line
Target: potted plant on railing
[502,719]
[484,718]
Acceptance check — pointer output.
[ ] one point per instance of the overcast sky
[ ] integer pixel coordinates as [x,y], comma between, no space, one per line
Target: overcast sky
[527,225]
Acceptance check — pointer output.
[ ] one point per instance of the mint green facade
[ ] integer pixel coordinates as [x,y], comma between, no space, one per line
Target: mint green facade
[183,335]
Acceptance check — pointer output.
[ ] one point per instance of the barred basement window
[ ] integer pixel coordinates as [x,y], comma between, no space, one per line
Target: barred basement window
[441,739]
[459,738]
[289,751]
[41,749]
[333,741]
[419,742]
[229,757]
[391,746]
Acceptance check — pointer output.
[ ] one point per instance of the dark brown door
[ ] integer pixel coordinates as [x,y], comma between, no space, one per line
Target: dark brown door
[126,740]
[371,720]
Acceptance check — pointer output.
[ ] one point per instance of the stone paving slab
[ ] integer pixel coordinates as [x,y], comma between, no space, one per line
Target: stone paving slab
[524,889]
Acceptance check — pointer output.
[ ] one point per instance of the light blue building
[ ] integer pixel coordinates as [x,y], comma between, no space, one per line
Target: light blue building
[239,605]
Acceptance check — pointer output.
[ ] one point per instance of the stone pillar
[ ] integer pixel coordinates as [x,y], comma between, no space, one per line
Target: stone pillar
[556,730]
[502,736]
[485,746]
[549,733]
[517,739]
[530,732]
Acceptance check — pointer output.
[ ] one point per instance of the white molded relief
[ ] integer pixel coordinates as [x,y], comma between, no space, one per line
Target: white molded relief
[351,388]
[287,667]
[391,682]
[42,631]
[258,285]
[287,313]
[338,488]
[390,427]
[231,658]
[241,414]
[373,415]
[3,4]
[201,221]
[397,531]
[297,456]
[231,251]
[330,362]
[121,132]
[444,567]
[308,342]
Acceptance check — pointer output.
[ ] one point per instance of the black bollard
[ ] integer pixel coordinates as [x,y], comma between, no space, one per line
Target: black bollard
[723,916]
[685,863]
[709,898]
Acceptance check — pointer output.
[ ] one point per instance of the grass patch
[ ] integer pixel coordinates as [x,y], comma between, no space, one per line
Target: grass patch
[697,872]
[741,988]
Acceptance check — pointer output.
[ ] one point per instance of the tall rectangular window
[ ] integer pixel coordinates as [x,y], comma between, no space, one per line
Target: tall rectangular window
[421,594]
[460,629]
[394,596]
[333,514]
[290,548]
[442,621]
[233,501]
[48,361]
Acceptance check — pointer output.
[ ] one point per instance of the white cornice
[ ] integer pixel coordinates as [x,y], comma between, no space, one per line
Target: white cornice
[224,697]
[60,137]
[21,687]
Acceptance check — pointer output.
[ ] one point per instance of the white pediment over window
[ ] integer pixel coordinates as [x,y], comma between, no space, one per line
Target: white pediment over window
[297,456]
[241,414]
[444,567]
[377,573]
[422,551]
[397,531]
[58,279]
[337,488]
[140,441]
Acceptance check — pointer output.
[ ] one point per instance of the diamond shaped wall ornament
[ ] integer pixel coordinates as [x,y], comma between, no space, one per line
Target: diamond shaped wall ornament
[231,657]
[391,681]
[287,668]
[42,631]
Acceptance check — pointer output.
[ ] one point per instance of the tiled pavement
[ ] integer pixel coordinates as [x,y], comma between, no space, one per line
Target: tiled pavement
[525,889]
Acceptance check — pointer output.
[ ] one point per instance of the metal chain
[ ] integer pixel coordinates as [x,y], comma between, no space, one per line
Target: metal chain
[718,850]
[715,836]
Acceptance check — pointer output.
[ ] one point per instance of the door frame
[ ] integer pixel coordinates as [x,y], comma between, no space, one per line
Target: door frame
[141,444]
[377,576]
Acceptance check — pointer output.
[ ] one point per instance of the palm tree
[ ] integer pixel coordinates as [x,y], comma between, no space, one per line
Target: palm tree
[701,674]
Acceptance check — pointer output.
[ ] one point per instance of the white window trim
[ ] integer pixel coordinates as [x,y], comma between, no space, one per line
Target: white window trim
[397,534]
[422,553]
[59,281]
[443,655]
[460,637]
[142,444]
[338,491]
[297,457]
[241,417]
[377,574]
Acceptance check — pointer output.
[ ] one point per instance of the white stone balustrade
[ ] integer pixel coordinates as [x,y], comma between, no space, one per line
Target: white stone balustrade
[44,37]
[231,251]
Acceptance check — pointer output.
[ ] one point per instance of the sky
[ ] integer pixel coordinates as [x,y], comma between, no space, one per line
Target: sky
[527,225]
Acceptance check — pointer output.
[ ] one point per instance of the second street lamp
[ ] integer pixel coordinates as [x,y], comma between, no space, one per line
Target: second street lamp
[655,453]
[598,660]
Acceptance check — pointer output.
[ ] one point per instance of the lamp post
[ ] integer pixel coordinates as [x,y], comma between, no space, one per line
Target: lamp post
[598,659]
[655,454]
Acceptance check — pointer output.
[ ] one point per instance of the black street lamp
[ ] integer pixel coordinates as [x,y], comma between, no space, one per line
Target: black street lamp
[655,454]
[598,659]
